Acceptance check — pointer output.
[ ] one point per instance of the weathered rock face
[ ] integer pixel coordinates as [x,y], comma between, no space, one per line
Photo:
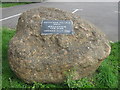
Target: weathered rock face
[47,58]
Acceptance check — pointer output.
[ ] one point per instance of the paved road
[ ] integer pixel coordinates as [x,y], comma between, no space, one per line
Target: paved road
[83,0]
[103,15]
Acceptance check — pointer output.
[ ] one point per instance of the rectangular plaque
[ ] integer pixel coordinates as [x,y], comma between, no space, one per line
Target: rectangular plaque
[57,27]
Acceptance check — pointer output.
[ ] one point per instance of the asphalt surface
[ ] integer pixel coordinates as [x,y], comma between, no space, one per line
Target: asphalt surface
[104,15]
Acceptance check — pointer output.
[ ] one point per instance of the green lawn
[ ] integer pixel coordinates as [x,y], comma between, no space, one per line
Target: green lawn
[106,75]
[12,4]
[0,58]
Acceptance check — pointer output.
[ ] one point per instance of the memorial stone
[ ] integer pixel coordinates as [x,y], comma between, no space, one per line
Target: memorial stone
[50,42]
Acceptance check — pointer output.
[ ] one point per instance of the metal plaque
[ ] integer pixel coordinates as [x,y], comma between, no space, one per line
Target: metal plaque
[57,27]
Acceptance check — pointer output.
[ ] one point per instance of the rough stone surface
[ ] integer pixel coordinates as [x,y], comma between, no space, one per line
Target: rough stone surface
[47,58]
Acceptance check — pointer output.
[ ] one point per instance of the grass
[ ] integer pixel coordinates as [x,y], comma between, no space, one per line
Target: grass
[0,58]
[106,75]
[12,4]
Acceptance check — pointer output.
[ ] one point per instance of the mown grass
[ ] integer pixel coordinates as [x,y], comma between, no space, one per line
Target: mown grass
[106,75]
[10,4]
[0,58]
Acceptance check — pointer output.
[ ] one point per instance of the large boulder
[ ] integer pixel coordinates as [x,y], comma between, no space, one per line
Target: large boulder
[50,58]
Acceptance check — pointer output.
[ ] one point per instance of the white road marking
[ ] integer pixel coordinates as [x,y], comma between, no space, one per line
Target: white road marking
[10,17]
[75,10]
[116,12]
